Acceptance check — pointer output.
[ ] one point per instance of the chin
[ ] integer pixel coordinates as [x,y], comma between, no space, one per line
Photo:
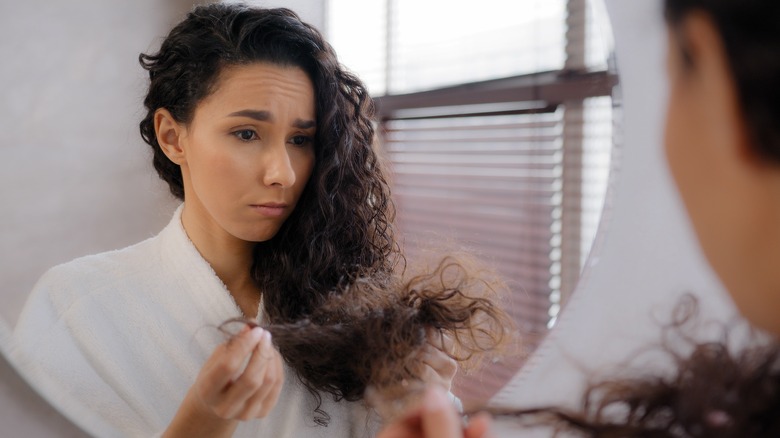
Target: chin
[259,237]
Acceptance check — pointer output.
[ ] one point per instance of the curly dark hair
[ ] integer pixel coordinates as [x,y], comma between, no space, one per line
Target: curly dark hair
[715,391]
[372,332]
[752,42]
[331,277]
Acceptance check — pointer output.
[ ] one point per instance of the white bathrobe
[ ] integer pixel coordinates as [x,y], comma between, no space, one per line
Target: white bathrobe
[125,333]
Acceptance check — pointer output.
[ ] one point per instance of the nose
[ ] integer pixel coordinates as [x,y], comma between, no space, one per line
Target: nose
[278,166]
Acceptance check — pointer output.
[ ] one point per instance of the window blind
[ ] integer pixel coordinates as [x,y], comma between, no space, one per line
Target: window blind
[491,183]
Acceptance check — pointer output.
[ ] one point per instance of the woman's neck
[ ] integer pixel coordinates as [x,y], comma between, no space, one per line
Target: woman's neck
[229,257]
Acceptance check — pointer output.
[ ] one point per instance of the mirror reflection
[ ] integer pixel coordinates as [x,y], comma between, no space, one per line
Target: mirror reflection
[499,134]
[507,154]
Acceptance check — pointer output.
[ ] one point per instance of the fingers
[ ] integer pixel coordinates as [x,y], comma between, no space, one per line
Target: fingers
[439,361]
[407,427]
[438,354]
[227,362]
[442,341]
[438,367]
[479,426]
[243,378]
[439,418]
[277,388]
[254,382]
[267,380]
[432,416]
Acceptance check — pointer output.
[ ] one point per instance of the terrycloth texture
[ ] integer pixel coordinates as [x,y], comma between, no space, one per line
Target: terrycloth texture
[126,333]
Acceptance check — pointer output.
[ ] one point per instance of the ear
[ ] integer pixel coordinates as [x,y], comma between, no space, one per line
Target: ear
[170,135]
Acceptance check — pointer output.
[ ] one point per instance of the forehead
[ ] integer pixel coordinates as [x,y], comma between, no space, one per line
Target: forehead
[263,84]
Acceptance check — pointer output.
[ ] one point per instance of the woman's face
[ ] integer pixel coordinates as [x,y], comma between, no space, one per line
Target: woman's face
[248,152]
[731,194]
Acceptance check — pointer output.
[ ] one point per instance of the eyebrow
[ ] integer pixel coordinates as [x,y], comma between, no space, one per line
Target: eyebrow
[265,116]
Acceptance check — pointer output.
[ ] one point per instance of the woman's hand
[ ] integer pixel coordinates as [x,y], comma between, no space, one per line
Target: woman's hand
[439,367]
[228,390]
[435,417]
[241,380]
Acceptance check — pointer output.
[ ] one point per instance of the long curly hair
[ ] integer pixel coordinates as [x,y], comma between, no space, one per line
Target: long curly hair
[715,390]
[371,333]
[330,278]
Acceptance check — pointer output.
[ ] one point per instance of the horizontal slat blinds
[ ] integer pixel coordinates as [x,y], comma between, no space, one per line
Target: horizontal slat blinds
[491,183]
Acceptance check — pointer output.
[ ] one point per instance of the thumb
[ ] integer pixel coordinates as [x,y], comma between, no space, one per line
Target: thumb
[479,426]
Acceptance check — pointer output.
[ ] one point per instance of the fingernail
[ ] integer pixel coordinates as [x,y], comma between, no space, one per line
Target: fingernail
[256,333]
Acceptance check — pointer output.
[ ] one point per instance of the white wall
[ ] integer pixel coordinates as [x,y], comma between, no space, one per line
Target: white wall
[75,177]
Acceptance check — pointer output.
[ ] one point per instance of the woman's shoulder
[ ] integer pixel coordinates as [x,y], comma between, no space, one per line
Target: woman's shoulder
[116,270]
[109,269]
[105,267]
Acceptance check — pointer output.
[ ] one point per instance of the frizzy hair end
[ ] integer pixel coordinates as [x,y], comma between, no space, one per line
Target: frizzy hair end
[371,333]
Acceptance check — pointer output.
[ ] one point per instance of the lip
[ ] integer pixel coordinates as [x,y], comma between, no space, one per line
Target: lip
[271,209]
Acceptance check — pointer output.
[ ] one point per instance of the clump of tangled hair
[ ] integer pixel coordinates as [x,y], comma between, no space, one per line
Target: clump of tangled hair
[714,391]
[752,42]
[372,332]
[331,292]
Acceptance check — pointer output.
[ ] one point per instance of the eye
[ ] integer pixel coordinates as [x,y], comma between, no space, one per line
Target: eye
[245,134]
[301,140]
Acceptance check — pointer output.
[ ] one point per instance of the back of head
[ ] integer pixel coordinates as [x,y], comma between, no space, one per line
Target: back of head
[751,37]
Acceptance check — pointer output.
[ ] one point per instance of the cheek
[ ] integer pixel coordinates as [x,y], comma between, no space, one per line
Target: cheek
[715,201]
[217,170]
[226,166]
[678,146]
[694,169]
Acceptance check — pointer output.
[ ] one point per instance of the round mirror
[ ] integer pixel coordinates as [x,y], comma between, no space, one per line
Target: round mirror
[500,136]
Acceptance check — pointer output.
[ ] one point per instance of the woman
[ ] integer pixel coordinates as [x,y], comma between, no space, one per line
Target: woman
[723,147]
[285,221]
